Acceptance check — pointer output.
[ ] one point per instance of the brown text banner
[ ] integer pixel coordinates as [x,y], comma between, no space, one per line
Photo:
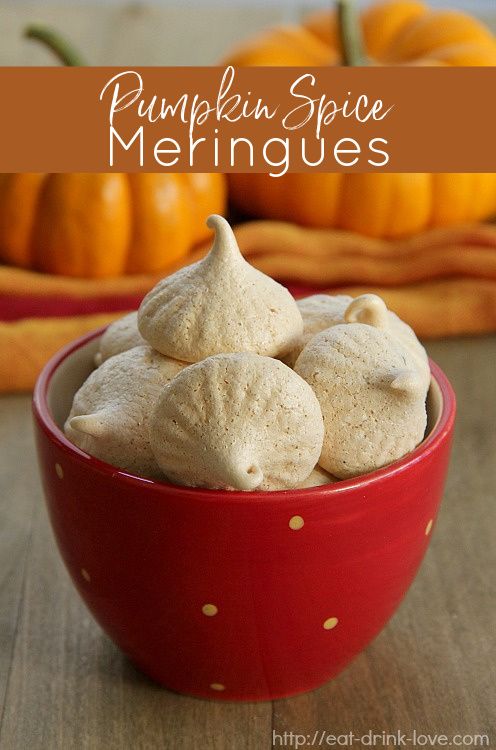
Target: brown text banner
[275,120]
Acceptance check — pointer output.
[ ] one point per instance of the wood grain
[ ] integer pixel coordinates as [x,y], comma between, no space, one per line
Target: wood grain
[64,686]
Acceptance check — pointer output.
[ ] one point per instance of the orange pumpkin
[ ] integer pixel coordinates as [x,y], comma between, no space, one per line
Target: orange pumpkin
[102,225]
[395,32]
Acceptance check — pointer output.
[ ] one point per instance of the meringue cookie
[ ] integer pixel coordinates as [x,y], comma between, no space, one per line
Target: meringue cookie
[317,478]
[237,421]
[319,311]
[120,336]
[220,304]
[111,411]
[371,393]
[371,309]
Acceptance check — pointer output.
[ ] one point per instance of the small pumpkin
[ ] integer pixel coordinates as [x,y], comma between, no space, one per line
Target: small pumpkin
[394,32]
[101,225]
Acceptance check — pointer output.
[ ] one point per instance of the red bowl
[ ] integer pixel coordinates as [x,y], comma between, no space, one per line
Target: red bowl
[232,595]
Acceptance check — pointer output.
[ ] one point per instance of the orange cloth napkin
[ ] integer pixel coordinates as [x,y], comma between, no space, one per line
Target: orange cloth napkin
[442,282]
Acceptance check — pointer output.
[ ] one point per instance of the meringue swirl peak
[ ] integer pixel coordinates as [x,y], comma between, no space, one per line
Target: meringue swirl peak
[221,304]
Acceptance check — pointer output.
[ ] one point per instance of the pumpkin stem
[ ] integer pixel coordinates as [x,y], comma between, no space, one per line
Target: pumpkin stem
[59,46]
[350,33]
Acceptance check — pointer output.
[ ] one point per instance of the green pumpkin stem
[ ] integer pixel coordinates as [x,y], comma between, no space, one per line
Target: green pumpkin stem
[59,46]
[350,33]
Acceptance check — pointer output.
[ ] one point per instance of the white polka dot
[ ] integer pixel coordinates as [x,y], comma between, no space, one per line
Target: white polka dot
[217,686]
[428,528]
[209,610]
[59,471]
[330,623]
[85,574]
[296,522]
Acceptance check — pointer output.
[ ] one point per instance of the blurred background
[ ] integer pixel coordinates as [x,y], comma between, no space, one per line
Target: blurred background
[114,32]
[79,250]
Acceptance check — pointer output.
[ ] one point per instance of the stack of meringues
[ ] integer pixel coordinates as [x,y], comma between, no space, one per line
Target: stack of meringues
[222,380]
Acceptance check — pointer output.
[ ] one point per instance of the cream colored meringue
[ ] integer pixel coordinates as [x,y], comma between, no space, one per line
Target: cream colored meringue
[371,393]
[319,311]
[317,478]
[237,421]
[111,411]
[220,304]
[371,309]
[120,336]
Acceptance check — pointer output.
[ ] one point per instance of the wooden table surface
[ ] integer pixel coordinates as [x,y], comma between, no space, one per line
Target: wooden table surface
[65,686]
